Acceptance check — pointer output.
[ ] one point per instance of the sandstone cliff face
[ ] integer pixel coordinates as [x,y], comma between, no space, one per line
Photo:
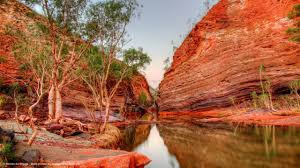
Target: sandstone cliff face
[17,15]
[221,56]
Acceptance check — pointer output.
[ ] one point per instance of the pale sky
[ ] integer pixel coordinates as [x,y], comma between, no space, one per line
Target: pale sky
[162,22]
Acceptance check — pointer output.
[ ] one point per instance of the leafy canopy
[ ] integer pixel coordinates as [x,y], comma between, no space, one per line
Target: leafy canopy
[107,21]
[66,14]
[136,59]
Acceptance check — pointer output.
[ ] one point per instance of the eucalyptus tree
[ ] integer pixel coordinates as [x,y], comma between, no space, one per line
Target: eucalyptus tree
[62,28]
[102,89]
[107,21]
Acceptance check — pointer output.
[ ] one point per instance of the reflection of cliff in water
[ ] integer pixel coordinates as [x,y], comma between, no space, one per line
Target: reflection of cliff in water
[196,147]
[134,135]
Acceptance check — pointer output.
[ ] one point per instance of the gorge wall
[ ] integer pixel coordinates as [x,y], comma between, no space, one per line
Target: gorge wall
[19,16]
[221,56]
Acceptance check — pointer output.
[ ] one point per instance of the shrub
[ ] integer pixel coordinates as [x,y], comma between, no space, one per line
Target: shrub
[142,100]
[254,98]
[109,139]
[295,12]
[295,38]
[43,28]
[2,101]
[7,153]
[9,89]
[31,14]
[2,59]
[296,30]
[293,30]
[297,7]
[295,86]
[264,100]
[24,67]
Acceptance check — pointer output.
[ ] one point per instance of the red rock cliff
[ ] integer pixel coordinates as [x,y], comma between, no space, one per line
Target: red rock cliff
[221,56]
[17,15]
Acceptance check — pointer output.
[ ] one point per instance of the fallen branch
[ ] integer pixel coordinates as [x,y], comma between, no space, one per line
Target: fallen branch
[33,136]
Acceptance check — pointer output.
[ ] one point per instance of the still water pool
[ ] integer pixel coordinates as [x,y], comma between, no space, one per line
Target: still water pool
[183,145]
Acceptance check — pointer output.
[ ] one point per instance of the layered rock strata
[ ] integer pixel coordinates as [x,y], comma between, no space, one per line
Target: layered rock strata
[220,59]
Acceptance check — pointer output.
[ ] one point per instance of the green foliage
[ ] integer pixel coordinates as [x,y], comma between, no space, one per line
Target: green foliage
[295,38]
[136,59]
[9,89]
[293,30]
[117,68]
[43,28]
[291,15]
[109,19]
[6,89]
[2,59]
[297,7]
[31,14]
[64,13]
[294,86]
[7,153]
[2,101]
[261,70]
[167,63]
[32,51]
[94,60]
[154,93]
[264,100]
[24,67]
[142,100]
[295,12]
[255,99]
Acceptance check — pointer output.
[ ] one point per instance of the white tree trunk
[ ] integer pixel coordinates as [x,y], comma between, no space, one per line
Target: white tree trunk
[51,103]
[58,106]
[54,104]
[107,106]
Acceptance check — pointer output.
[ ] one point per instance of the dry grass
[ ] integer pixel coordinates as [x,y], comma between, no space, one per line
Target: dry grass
[109,139]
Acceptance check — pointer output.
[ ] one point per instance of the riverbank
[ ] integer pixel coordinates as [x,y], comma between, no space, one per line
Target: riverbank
[74,151]
[232,115]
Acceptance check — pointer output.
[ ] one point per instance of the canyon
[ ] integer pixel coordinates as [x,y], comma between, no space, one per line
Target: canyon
[17,15]
[220,59]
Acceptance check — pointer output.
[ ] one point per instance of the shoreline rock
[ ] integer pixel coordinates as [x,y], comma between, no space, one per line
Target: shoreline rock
[229,115]
[72,152]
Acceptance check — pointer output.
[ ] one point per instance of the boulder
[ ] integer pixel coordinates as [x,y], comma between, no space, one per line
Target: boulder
[6,136]
[31,156]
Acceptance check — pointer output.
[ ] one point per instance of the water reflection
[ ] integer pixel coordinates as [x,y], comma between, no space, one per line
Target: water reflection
[192,146]
[155,148]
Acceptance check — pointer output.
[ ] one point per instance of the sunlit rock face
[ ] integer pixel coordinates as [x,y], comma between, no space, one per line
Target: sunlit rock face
[221,56]
[18,16]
